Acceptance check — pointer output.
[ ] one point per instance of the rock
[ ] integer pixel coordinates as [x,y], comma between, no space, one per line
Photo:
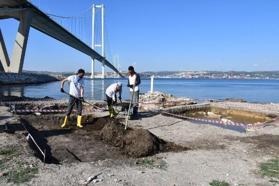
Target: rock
[154,101]
[110,174]
[213,115]
[97,180]
[117,180]
[93,178]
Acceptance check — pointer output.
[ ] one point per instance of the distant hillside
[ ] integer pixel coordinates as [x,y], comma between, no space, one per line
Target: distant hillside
[181,74]
[214,74]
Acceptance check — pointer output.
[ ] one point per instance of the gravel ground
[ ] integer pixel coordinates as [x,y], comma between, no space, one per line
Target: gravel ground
[215,154]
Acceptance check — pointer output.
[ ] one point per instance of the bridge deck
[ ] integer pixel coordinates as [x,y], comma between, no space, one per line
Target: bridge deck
[43,23]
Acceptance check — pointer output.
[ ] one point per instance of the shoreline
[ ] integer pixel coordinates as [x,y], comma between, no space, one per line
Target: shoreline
[31,78]
[27,78]
[10,83]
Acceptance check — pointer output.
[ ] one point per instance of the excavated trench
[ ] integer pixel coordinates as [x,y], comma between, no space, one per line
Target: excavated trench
[100,139]
[234,115]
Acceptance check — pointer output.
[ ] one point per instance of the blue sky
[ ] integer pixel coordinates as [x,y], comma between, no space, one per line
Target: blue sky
[163,35]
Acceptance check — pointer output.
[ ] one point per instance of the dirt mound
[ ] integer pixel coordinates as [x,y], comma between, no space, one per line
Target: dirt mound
[135,142]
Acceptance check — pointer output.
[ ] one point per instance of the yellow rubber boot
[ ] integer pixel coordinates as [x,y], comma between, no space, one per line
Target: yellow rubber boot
[110,111]
[65,122]
[79,118]
[114,114]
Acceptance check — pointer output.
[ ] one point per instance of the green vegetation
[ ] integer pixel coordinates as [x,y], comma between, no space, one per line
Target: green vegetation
[6,154]
[152,162]
[146,162]
[14,170]
[218,183]
[8,151]
[271,170]
[2,164]
[21,173]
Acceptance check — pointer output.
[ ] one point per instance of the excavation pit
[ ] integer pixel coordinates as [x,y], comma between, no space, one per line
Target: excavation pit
[230,115]
[100,139]
[229,118]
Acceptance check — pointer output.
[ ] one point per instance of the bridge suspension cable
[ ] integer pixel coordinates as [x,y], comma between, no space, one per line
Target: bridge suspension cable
[80,26]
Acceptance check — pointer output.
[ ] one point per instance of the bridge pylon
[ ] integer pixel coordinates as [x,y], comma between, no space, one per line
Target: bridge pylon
[101,45]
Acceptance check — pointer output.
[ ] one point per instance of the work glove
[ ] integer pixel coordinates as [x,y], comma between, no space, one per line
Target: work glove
[62,90]
[81,99]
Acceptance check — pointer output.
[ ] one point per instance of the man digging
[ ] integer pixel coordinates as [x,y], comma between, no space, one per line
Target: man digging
[76,93]
[111,95]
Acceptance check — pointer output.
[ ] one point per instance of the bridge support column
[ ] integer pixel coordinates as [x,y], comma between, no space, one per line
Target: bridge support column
[21,42]
[15,65]
[4,57]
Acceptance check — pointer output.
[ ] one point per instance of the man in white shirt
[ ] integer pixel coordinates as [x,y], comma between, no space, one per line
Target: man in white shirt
[76,95]
[133,83]
[111,95]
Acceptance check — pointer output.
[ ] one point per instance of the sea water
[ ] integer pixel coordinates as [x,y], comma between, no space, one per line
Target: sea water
[262,91]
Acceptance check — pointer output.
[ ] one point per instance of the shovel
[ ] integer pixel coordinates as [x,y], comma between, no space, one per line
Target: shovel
[94,106]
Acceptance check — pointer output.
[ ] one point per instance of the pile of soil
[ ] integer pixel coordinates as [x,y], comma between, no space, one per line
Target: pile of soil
[135,142]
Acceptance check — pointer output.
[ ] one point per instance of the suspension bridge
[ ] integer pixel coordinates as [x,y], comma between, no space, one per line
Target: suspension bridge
[75,36]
